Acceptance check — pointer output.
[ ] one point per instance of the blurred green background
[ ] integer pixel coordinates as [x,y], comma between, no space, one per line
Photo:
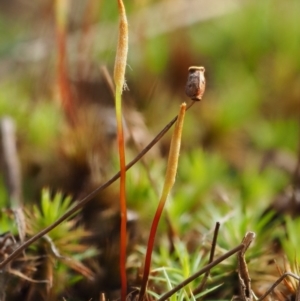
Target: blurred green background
[246,129]
[244,133]
[240,146]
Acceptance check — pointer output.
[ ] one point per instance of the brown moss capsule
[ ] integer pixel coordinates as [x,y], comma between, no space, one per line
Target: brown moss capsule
[195,85]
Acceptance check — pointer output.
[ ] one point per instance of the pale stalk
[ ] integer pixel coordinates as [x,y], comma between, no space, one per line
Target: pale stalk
[61,9]
[119,77]
[168,184]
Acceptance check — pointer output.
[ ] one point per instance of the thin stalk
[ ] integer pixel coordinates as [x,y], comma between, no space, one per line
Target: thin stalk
[61,12]
[168,184]
[119,77]
[123,209]
[89,17]
[200,288]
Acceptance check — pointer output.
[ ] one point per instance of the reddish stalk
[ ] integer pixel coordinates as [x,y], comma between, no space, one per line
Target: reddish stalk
[123,213]
[61,9]
[86,35]
[119,77]
[168,184]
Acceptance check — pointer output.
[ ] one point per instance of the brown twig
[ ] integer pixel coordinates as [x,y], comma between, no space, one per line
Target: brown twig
[244,278]
[200,288]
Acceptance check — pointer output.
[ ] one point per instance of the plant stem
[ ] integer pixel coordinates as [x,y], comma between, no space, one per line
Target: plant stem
[61,12]
[119,77]
[123,209]
[168,184]
[199,289]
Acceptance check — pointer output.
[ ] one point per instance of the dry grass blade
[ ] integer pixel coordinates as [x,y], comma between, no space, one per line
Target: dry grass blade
[74,264]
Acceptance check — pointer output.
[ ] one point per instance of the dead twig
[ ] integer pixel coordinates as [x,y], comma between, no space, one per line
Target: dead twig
[201,286]
[244,278]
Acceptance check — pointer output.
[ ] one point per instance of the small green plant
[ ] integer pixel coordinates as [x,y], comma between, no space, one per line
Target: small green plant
[170,269]
[290,239]
[62,248]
